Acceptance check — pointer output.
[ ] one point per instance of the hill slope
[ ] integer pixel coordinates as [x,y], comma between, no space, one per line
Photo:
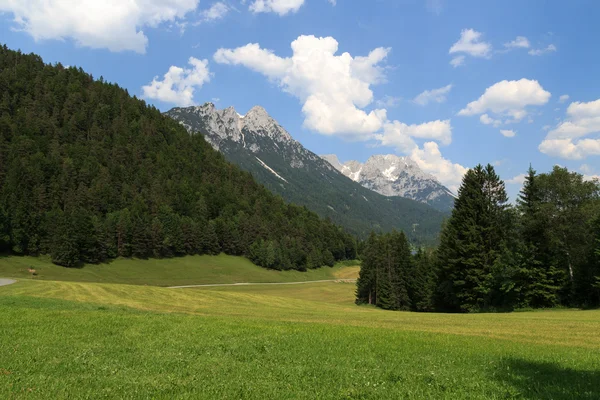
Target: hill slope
[88,173]
[258,144]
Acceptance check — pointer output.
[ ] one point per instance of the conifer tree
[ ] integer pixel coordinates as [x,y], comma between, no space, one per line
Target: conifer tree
[366,283]
[471,242]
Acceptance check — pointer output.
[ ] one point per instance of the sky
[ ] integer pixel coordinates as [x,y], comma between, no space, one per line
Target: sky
[448,83]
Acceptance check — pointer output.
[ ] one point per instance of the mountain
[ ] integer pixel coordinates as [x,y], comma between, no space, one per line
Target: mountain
[89,173]
[258,144]
[391,175]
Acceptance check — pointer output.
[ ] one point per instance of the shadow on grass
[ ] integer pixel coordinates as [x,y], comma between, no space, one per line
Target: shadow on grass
[535,380]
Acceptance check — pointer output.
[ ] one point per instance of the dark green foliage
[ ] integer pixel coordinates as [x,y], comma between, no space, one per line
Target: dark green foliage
[88,173]
[386,275]
[423,281]
[472,241]
[543,253]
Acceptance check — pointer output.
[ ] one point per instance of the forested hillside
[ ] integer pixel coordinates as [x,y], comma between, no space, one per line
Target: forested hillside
[544,252]
[88,173]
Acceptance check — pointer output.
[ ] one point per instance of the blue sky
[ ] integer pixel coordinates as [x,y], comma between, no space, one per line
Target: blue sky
[448,83]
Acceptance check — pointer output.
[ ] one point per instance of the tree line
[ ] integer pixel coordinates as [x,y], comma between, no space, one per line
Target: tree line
[89,173]
[542,252]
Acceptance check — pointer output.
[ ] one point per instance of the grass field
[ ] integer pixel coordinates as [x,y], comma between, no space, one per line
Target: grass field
[63,339]
[189,270]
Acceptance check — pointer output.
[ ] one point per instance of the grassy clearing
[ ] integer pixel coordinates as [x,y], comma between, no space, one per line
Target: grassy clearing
[189,270]
[95,340]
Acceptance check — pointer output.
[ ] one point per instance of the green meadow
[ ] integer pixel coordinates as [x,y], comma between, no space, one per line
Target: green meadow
[69,336]
[189,270]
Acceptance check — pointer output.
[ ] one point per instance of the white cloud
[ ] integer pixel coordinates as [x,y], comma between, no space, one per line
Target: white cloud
[400,135]
[583,119]
[430,160]
[436,95]
[457,61]
[113,24]
[470,43]
[586,169]
[563,98]
[508,98]
[521,42]
[217,11]
[565,141]
[507,133]
[388,102]
[487,120]
[178,84]
[517,180]
[334,89]
[332,2]
[281,7]
[566,148]
[538,52]
[591,178]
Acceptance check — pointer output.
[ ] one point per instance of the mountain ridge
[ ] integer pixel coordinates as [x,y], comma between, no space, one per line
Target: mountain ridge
[259,144]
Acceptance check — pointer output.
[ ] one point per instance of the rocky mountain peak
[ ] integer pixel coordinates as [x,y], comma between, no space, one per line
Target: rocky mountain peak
[392,175]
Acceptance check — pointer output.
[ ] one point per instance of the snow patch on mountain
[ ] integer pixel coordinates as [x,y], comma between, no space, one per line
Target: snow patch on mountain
[271,170]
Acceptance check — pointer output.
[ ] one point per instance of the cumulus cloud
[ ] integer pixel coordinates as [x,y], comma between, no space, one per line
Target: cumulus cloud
[457,61]
[508,99]
[508,133]
[112,24]
[400,135]
[217,11]
[178,84]
[280,7]
[565,141]
[333,88]
[434,95]
[569,149]
[521,42]
[487,120]
[538,52]
[563,98]
[517,180]
[430,160]
[592,178]
[470,43]
[388,102]
[429,157]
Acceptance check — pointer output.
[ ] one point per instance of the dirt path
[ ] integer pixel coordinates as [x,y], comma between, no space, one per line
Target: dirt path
[257,283]
[4,282]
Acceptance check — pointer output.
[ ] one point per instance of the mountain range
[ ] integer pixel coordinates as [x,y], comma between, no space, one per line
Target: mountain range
[391,175]
[259,144]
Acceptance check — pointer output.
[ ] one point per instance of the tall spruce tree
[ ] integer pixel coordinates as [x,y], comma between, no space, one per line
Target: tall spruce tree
[366,284]
[539,279]
[472,241]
